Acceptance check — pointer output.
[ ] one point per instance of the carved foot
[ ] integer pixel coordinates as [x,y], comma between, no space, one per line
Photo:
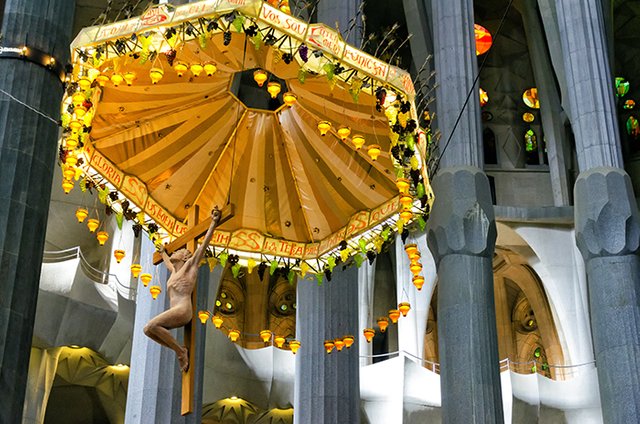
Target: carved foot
[183,359]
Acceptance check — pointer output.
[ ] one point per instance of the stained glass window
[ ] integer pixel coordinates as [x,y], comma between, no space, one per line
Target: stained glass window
[530,141]
[633,127]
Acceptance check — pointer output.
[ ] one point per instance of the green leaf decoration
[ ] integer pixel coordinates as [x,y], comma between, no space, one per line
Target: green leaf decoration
[420,190]
[385,233]
[414,163]
[83,185]
[331,261]
[319,277]
[223,258]
[65,119]
[421,223]
[302,75]
[363,245]
[330,69]
[102,195]
[399,172]
[235,270]
[257,40]
[291,276]
[119,220]
[273,266]
[358,259]
[411,142]
[237,23]
[202,40]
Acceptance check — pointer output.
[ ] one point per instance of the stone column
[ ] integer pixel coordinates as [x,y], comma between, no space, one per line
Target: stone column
[327,388]
[344,15]
[462,231]
[27,159]
[366,283]
[606,213]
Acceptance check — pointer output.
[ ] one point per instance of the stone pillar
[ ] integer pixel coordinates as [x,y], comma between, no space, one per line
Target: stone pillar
[27,159]
[327,388]
[462,231]
[366,283]
[342,14]
[606,213]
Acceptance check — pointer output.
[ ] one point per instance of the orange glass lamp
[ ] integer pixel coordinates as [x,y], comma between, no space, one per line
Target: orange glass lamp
[67,186]
[77,99]
[234,335]
[406,200]
[415,267]
[79,111]
[348,341]
[102,79]
[84,83]
[102,237]
[82,214]
[404,308]
[180,68]
[289,98]
[260,77]
[145,278]
[156,75]
[383,323]
[217,321]
[412,250]
[265,335]
[155,291]
[71,160]
[129,77]
[294,345]
[374,151]
[203,316]
[274,89]
[344,132]
[339,344]
[406,216]
[71,142]
[117,79]
[368,334]
[484,97]
[75,125]
[279,341]
[483,39]
[93,224]
[210,68]
[394,314]
[119,254]
[135,270]
[196,69]
[328,346]
[324,127]
[403,185]
[69,173]
[418,281]
[358,141]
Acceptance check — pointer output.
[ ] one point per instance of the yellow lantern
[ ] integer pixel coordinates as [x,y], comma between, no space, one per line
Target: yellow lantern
[339,344]
[406,216]
[180,68]
[217,321]
[210,68]
[79,111]
[155,291]
[156,75]
[129,77]
[82,214]
[294,345]
[145,278]
[265,335]
[279,341]
[411,250]
[260,77]
[415,268]
[374,151]
[344,132]
[102,237]
[119,255]
[394,314]
[68,174]
[93,224]
[368,334]
[285,9]
[67,186]
[71,142]
[406,200]
[93,73]
[117,79]
[102,79]
[234,335]
[358,141]
[403,185]
[196,69]
[203,316]
[71,160]
[77,98]
[84,83]
[135,270]
[76,125]
[289,98]
[324,127]
[328,346]
[418,281]
[383,323]
[274,89]
[404,308]
[348,341]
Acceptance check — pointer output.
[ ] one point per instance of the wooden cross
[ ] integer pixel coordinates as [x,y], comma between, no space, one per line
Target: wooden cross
[190,240]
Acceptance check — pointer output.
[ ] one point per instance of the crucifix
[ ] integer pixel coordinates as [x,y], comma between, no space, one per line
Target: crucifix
[182,257]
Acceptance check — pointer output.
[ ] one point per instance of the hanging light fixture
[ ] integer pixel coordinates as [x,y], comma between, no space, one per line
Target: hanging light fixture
[418,281]
[344,132]
[93,73]
[155,291]
[210,68]
[348,341]
[358,141]
[79,111]
[180,68]
[135,270]
[203,316]
[116,79]
[119,254]
[129,77]
[260,77]
[294,345]
[406,200]
[77,98]
[403,185]
[81,214]
[84,83]
[411,249]
[68,174]
[71,142]
[234,335]
[328,346]
[196,69]
[279,341]
[102,79]
[383,323]
[406,216]
[394,314]
[374,151]
[324,127]
[289,98]
[274,89]
[67,186]
[368,334]
[75,125]
[415,268]
[217,321]
[93,224]
[156,75]
[339,344]
[404,308]
[145,278]
[265,335]
[102,237]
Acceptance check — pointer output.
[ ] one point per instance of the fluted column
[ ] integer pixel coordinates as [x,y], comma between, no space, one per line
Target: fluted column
[27,159]
[327,388]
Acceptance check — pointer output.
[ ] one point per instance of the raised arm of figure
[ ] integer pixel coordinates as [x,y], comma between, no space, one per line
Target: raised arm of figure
[167,260]
[199,253]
